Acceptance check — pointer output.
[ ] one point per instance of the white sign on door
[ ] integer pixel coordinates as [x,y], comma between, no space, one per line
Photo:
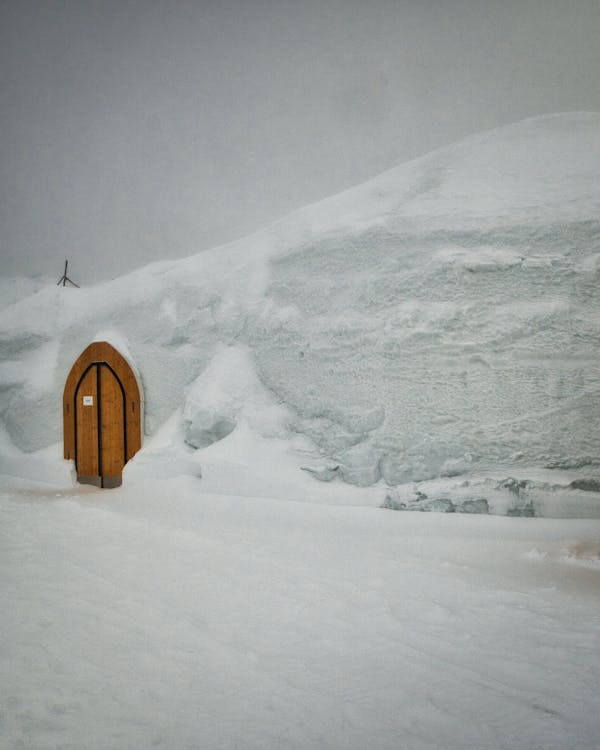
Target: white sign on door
[88,400]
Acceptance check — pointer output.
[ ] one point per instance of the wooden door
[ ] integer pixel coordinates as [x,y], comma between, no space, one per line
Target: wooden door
[100,430]
[102,415]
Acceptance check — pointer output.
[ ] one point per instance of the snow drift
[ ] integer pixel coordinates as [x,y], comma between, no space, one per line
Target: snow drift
[441,320]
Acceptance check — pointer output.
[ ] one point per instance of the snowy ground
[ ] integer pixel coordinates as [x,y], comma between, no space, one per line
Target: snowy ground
[163,615]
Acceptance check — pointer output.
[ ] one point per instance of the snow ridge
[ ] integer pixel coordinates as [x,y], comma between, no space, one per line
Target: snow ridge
[439,319]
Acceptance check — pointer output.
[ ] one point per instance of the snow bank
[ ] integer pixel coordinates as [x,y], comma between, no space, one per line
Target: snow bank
[225,392]
[440,320]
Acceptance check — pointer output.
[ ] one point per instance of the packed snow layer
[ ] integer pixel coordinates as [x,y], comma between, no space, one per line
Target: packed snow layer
[441,319]
[160,615]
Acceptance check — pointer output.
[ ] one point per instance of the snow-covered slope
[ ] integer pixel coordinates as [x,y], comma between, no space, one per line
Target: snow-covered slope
[442,319]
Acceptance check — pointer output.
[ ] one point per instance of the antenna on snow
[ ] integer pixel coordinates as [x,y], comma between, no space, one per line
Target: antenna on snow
[64,278]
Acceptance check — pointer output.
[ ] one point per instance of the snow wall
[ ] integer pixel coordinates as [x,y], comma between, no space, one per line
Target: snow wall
[440,319]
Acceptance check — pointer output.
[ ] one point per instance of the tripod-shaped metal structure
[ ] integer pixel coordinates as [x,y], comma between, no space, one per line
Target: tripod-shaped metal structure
[64,278]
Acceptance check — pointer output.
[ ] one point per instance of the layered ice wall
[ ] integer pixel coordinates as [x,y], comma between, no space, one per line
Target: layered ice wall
[429,354]
[440,319]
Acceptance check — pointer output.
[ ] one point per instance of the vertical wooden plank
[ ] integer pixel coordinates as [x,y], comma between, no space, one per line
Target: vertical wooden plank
[112,424]
[86,425]
[69,426]
[134,413]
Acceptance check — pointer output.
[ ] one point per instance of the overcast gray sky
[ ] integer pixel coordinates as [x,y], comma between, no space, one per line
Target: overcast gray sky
[137,130]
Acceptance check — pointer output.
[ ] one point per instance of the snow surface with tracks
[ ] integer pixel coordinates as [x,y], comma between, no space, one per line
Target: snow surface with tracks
[164,615]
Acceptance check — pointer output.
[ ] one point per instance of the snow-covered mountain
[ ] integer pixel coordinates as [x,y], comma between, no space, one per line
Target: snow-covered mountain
[442,319]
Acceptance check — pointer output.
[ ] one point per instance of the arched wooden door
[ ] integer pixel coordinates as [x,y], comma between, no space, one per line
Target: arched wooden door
[102,415]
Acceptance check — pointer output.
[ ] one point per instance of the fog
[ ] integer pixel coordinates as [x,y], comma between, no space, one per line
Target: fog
[142,130]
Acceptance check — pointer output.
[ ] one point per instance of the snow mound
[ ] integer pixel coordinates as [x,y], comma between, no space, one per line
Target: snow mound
[546,496]
[225,392]
[440,320]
